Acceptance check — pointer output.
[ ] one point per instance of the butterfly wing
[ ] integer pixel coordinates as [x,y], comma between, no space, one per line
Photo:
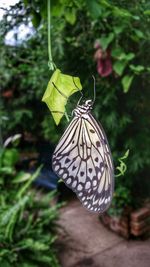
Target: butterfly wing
[66,161]
[100,173]
[83,160]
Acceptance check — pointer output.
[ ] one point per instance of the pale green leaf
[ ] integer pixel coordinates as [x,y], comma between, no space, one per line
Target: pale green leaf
[126,82]
[121,55]
[21,177]
[128,56]
[106,40]
[119,66]
[137,68]
[59,89]
[139,33]
[70,15]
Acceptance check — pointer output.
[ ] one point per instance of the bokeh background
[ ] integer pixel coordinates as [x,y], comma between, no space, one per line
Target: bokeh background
[107,39]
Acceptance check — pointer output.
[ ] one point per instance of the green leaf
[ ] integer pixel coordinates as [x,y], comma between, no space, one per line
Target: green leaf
[116,52]
[59,89]
[147,12]
[123,13]
[118,29]
[139,33]
[128,56]
[10,157]
[126,82]
[57,10]
[94,8]
[36,18]
[121,55]
[25,187]
[70,15]
[137,69]
[119,66]
[106,40]
[21,177]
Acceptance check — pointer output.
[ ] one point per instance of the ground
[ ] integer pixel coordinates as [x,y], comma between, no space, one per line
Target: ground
[84,241]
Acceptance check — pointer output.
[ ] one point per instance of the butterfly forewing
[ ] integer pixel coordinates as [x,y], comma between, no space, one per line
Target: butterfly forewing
[83,160]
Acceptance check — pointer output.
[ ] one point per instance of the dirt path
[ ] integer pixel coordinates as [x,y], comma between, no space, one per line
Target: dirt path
[84,241]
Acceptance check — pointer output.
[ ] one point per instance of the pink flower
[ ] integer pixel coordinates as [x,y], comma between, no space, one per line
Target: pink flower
[104,63]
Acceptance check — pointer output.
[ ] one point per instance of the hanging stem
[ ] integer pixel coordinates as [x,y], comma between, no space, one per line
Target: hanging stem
[1,136]
[50,62]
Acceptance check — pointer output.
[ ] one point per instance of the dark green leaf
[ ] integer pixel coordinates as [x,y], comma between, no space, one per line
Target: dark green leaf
[94,8]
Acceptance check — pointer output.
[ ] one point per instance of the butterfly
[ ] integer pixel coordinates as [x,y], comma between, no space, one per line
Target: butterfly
[83,160]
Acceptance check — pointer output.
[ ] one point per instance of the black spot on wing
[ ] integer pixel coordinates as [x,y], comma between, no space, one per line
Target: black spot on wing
[98,144]
[67,160]
[74,167]
[92,131]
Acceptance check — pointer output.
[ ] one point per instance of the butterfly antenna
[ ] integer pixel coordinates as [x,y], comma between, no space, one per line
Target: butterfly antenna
[79,91]
[94,98]
[59,91]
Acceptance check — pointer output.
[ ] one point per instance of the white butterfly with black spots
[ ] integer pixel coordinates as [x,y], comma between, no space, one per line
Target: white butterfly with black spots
[83,160]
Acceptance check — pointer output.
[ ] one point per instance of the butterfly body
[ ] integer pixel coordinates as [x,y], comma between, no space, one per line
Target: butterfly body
[83,160]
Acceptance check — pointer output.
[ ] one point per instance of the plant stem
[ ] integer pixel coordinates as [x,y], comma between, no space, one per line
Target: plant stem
[50,62]
[1,137]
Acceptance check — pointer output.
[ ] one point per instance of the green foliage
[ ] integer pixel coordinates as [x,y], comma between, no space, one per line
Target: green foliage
[126,82]
[106,40]
[121,200]
[27,218]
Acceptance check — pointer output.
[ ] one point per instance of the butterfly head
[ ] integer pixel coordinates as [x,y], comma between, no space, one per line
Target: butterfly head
[88,103]
[83,109]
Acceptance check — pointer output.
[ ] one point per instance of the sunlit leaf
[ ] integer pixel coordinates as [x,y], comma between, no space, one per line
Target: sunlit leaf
[126,82]
[70,15]
[21,177]
[59,89]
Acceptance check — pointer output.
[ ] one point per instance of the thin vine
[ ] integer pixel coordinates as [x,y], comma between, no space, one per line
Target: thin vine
[51,64]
